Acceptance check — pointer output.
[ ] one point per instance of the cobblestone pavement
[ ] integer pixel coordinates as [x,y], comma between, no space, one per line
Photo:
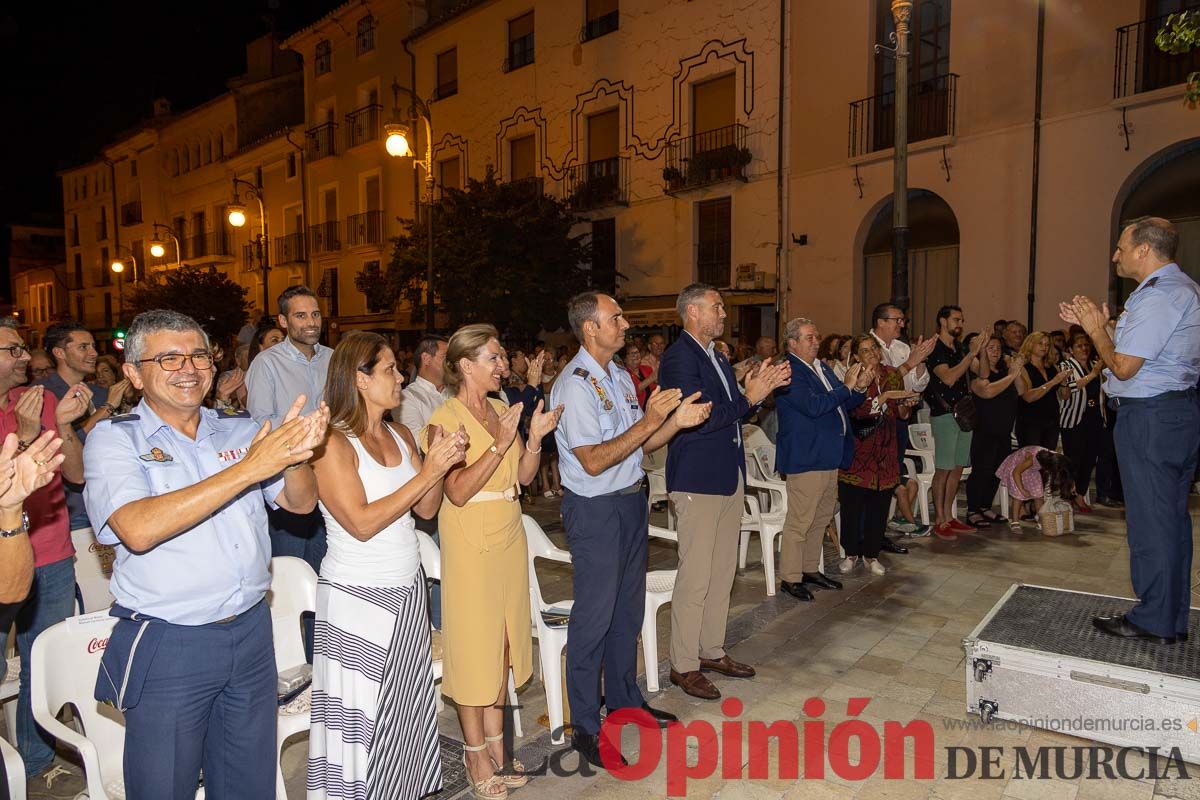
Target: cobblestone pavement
[896,639]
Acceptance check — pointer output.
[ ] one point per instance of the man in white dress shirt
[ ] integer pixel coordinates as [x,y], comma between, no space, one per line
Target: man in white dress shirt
[427,391]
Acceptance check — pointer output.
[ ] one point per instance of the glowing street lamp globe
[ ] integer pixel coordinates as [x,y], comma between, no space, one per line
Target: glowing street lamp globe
[396,142]
[118,266]
[237,214]
[157,249]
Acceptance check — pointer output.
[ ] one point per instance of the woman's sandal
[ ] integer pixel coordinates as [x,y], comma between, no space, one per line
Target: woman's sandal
[517,777]
[978,520]
[491,787]
[992,516]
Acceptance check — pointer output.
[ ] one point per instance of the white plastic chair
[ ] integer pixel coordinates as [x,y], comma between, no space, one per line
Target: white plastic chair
[753,437]
[65,660]
[431,560]
[93,569]
[14,768]
[660,586]
[9,690]
[293,591]
[657,479]
[769,528]
[920,437]
[551,638]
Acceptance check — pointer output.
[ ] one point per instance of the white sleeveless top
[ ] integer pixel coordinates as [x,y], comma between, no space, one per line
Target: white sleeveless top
[390,557]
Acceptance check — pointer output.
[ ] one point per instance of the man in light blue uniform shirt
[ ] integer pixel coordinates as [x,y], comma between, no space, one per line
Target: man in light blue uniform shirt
[1151,373]
[277,376]
[178,490]
[601,438]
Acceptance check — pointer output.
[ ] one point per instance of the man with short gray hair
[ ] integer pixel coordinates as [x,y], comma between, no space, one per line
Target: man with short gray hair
[815,440]
[706,476]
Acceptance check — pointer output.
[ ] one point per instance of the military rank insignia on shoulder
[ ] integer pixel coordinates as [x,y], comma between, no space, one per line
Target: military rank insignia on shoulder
[233,413]
[124,418]
[581,372]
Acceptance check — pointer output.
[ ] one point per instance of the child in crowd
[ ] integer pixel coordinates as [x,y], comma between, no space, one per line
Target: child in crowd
[1029,474]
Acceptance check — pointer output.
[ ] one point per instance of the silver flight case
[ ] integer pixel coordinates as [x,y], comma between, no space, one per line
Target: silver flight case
[1037,659]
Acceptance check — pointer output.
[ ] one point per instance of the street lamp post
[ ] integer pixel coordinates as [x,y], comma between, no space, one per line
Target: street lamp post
[237,218]
[901,14]
[158,249]
[118,266]
[397,144]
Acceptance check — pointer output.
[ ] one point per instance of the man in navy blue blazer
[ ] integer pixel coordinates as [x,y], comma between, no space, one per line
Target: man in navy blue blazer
[706,478]
[814,441]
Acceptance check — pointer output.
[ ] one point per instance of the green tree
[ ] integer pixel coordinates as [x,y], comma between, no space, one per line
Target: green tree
[1180,35]
[504,253]
[206,295]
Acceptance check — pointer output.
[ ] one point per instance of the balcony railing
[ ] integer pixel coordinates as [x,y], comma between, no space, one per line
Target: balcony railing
[520,53]
[131,213]
[446,89]
[289,248]
[595,28]
[362,125]
[206,245]
[322,141]
[1141,67]
[323,237]
[251,258]
[598,183]
[364,228]
[708,157]
[535,186]
[931,108]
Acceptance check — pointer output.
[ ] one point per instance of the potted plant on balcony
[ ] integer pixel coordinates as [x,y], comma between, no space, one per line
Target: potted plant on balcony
[672,177]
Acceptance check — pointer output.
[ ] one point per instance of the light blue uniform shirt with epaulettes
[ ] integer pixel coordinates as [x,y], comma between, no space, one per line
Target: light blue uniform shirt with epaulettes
[1161,324]
[217,568]
[597,406]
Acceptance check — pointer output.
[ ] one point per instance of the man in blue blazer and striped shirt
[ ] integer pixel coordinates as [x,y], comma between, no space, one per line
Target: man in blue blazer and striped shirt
[814,441]
[706,478]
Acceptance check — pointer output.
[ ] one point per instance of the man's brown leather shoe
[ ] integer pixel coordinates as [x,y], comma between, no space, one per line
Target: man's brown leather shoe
[727,666]
[695,684]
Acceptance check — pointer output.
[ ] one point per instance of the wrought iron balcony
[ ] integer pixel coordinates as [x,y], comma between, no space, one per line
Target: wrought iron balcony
[708,157]
[214,244]
[251,258]
[595,28]
[131,213]
[597,184]
[535,186]
[1141,67]
[362,125]
[444,90]
[322,141]
[289,248]
[931,109]
[324,237]
[520,53]
[365,228]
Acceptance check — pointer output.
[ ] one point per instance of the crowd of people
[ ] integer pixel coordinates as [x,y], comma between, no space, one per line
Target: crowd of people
[199,465]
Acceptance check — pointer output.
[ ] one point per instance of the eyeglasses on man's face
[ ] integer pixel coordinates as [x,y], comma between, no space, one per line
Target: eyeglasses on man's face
[16,351]
[895,319]
[173,362]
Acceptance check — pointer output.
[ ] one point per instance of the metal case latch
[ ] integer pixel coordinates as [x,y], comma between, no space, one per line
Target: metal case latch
[983,668]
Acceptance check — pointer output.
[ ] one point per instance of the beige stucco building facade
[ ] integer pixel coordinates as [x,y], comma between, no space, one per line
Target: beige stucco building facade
[37,278]
[176,170]
[1116,142]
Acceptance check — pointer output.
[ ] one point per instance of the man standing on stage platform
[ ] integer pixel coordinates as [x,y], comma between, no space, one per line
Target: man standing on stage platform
[601,438]
[1153,364]
[277,376]
[179,490]
[706,475]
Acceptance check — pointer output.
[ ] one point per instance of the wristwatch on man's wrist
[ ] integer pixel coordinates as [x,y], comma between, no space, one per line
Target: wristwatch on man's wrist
[24,528]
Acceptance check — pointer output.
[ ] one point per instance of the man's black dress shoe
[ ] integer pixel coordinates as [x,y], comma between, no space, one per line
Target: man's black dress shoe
[819,579]
[1119,626]
[796,590]
[890,546]
[654,717]
[588,747]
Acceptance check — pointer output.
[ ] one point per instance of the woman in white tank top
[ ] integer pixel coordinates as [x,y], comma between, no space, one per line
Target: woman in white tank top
[374,721]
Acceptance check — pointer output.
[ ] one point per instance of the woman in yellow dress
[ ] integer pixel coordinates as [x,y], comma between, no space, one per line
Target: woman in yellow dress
[485,577]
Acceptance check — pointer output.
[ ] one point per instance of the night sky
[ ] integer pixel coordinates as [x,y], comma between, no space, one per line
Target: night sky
[77,74]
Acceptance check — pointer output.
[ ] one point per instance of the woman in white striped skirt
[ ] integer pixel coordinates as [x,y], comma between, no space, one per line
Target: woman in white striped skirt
[374,720]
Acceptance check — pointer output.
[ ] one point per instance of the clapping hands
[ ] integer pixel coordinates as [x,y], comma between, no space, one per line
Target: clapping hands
[445,450]
[542,422]
[691,413]
[22,474]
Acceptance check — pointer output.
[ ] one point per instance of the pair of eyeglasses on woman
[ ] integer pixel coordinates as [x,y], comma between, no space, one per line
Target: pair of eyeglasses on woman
[173,362]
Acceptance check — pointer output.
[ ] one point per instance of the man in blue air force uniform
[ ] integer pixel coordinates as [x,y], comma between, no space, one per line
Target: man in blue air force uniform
[1151,373]
[178,489]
